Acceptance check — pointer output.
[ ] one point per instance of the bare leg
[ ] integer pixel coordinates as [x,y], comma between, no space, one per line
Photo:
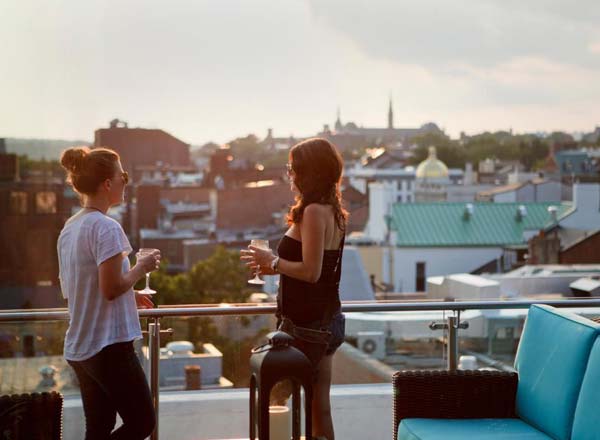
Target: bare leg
[321,406]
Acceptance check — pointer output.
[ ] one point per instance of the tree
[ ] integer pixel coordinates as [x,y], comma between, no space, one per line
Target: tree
[49,168]
[247,148]
[538,150]
[430,138]
[218,279]
[451,154]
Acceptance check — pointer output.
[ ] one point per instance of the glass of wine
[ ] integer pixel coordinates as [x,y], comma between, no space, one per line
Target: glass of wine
[261,244]
[142,253]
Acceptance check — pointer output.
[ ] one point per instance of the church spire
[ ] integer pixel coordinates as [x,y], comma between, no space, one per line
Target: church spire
[390,114]
[338,122]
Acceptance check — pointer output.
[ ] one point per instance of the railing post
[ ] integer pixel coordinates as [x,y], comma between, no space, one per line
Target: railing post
[452,343]
[154,349]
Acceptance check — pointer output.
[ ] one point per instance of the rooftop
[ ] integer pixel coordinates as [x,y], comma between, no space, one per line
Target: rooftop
[513,186]
[545,270]
[476,224]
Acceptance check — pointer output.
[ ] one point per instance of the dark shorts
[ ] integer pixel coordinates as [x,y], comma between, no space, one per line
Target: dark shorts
[337,329]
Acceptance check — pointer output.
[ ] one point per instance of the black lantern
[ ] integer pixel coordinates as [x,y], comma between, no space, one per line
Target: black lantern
[269,364]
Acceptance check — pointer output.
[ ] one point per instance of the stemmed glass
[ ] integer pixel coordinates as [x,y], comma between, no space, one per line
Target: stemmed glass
[261,244]
[142,253]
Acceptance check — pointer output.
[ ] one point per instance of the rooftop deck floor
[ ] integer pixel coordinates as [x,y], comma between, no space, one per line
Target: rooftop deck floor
[359,412]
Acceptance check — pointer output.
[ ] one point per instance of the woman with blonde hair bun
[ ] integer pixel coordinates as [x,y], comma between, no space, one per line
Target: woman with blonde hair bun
[97,282]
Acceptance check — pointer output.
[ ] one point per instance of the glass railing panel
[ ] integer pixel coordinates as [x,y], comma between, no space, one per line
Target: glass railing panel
[31,358]
[396,340]
[592,313]
[491,338]
[212,401]
[219,345]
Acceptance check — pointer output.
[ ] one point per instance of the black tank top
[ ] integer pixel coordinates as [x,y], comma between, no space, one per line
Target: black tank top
[304,302]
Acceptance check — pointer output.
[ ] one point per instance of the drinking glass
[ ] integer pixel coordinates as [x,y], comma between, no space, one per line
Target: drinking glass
[261,244]
[142,253]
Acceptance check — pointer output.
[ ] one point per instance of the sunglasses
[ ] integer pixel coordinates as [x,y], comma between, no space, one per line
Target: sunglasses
[288,167]
[125,177]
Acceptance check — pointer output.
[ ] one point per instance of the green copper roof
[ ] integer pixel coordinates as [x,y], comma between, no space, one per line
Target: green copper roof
[490,224]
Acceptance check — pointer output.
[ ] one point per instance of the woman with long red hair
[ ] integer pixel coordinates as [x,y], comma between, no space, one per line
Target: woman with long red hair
[308,260]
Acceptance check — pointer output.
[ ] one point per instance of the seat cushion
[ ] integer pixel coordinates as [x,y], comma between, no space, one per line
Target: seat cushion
[551,361]
[586,424]
[470,429]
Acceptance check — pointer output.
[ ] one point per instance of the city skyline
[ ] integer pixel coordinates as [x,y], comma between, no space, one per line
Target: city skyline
[209,71]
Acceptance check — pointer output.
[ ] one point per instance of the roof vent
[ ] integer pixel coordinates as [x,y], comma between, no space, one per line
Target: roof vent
[468,212]
[521,213]
[553,211]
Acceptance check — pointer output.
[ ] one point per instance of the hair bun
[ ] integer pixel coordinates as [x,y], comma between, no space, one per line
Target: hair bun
[72,158]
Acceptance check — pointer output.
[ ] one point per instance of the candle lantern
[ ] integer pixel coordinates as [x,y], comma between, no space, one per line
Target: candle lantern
[270,364]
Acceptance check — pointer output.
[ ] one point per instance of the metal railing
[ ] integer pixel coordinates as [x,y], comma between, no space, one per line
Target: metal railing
[452,324]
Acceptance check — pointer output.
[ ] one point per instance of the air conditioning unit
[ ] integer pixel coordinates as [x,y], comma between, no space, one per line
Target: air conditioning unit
[372,343]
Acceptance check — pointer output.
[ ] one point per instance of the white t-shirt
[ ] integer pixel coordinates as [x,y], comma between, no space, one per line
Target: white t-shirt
[87,240]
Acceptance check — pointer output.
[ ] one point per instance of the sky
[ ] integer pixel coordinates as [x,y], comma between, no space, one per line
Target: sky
[218,69]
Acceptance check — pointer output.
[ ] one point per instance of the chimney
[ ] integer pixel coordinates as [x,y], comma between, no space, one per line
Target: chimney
[469,211]
[469,177]
[553,211]
[380,205]
[521,213]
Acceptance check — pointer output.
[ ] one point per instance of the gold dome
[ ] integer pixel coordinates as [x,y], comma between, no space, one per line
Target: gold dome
[432,168]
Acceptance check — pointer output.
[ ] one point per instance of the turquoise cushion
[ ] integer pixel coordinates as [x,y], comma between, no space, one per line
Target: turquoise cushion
[551,360]
[586,424]
[470,429]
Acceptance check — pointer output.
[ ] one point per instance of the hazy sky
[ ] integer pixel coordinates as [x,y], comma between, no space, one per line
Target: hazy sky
[214,70]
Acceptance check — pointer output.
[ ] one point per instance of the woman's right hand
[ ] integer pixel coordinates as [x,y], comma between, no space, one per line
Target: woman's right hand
[150,262]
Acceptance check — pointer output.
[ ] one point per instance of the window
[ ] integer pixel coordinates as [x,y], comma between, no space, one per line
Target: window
[45,202]
[420,277]
[17,203]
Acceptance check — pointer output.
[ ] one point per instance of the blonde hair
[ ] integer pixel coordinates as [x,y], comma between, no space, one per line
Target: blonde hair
[87,168]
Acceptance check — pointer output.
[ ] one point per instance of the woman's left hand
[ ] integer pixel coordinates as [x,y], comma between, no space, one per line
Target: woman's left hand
[143,301]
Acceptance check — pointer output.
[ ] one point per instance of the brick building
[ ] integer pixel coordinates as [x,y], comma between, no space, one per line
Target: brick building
[222,174]
[154,202]
[9,168]
[565,246]
[253,207]
[33,215]
[141,146]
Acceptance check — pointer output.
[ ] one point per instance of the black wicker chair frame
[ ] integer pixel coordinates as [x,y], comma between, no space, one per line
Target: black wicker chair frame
[462,394]
[35,416]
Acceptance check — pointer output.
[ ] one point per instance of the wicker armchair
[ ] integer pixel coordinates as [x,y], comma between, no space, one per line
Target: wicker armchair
[35,416]
[463,394]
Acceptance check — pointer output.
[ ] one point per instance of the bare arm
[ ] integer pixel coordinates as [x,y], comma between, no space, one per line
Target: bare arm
[114,283]
[312,229]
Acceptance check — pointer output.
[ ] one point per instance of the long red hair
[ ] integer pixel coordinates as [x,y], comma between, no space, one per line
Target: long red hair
[317,167]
